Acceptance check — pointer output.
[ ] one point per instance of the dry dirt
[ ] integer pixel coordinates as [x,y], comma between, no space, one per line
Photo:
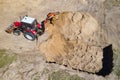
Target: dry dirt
[106,12]
[73,41]
[11,10]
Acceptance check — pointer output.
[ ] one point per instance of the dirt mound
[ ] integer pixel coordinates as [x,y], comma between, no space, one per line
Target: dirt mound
[72,41]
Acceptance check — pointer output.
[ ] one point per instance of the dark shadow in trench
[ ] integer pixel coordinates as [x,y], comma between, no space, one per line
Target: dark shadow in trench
[107,61]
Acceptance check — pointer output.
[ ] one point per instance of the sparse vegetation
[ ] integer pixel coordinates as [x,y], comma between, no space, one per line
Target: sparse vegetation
[63,75]
[5,59]
[116,3]
[110,3]
[116,62]
[36,78]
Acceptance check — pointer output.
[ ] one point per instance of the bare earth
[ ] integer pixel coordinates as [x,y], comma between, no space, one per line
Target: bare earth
[106,12]
[11,10]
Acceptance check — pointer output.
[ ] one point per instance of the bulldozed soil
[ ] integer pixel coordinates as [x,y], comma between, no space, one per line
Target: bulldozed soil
[73,42]
[30,64]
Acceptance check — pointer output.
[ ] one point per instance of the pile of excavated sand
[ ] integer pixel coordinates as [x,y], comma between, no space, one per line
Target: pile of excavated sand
[72,41]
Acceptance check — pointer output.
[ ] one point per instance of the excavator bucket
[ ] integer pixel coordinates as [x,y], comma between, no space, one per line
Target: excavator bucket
[10,29]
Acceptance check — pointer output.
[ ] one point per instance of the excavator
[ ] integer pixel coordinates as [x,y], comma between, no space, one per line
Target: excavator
[29,27]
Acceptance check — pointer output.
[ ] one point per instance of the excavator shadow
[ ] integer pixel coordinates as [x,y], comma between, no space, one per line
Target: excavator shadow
[107,61]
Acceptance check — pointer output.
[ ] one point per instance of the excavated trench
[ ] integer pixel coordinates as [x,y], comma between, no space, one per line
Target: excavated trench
[107,61]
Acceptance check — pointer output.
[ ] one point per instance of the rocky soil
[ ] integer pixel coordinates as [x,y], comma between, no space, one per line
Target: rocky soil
[30,63]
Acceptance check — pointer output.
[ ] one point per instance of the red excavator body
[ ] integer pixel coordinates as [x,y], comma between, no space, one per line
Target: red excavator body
[29,26]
